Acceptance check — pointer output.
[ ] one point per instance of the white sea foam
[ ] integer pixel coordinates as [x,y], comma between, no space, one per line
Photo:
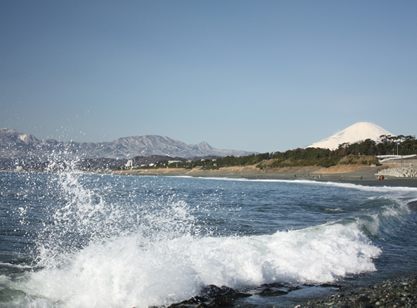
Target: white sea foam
[128,271]
[384,188]
[164,259]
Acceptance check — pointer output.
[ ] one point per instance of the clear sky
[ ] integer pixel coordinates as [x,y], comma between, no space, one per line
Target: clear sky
[246,75]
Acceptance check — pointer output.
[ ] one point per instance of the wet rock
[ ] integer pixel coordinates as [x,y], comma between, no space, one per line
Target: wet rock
[274,289]
[194,302]
[212,296]
[222,297]
[401,292]
[272,292]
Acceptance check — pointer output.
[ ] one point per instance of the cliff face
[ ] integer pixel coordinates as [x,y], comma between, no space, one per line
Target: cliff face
[16,147]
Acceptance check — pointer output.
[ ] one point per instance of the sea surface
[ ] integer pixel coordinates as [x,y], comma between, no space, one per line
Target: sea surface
[84,240]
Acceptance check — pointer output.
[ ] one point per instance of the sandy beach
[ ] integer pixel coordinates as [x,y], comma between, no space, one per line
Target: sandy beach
[359,174]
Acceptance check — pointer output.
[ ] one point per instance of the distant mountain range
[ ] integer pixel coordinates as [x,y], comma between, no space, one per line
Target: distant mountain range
[17,148]
[357,132]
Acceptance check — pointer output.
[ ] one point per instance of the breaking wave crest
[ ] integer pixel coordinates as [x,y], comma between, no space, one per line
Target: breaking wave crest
[103,242]
[130,250]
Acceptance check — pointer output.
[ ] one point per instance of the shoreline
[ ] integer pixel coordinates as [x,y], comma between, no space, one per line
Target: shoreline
[355,174]
[400,291]
[396,291]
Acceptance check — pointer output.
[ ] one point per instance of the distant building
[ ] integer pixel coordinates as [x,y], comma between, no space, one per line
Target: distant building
[129,164]
[173,161]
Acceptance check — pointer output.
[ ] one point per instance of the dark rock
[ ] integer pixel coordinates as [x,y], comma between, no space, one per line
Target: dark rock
[363,299]
[401,292]
[272,285]
[223,301]
[212,296]
[196,301]
[272,292]
[212,291]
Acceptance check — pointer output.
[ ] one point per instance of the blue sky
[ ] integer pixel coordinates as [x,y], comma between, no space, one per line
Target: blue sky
[250,75]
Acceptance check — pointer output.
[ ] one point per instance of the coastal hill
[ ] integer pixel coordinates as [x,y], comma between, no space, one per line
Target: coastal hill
[17,147]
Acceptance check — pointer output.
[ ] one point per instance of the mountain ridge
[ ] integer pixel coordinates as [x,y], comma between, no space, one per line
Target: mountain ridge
[18,146]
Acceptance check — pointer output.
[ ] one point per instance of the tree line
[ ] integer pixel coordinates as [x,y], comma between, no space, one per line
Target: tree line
[363,152]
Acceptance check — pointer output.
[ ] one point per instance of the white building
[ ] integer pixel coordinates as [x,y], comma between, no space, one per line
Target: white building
[129,164]
[173,161]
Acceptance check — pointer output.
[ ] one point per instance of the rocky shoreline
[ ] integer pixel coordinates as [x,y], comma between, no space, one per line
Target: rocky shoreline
[397,292]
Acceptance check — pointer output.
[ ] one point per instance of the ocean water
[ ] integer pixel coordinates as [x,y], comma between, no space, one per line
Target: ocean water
[83,240]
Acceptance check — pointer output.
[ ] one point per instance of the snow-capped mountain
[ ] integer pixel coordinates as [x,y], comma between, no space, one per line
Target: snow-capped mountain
[357,132]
